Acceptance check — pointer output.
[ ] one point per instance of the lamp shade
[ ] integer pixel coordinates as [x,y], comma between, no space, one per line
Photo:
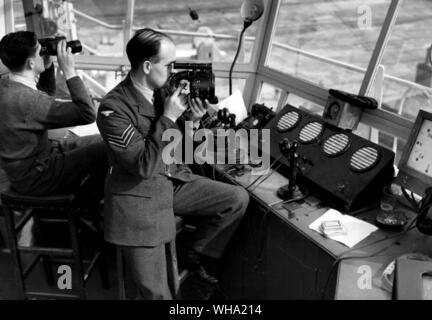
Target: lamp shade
[251,10]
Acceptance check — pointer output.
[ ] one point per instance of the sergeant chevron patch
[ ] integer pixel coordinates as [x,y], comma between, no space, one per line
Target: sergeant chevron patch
[122,140]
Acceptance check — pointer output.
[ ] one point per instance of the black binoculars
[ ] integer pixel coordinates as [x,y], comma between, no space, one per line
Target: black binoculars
[49,46]
[200,77]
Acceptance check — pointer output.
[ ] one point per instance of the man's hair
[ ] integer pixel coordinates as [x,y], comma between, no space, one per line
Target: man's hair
[16,48]
[145,45]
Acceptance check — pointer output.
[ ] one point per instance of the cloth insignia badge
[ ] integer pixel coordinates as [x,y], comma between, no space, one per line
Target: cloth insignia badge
[122,140]
[106,113]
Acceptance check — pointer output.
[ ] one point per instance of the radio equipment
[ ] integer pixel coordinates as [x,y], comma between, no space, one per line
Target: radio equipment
[345,170]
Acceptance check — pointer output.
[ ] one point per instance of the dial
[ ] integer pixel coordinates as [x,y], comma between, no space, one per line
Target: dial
[333,111]
[420,158]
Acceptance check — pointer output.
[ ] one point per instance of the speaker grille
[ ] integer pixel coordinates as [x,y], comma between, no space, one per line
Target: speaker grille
[336,144]
[364,159]
[288,121]
[310,132]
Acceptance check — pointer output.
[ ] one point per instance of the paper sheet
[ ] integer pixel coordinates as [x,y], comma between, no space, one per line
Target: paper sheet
[86,130]
[356,229]
[235,104]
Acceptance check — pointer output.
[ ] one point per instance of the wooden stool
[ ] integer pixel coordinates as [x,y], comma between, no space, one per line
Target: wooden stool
[175,278]
[32,207]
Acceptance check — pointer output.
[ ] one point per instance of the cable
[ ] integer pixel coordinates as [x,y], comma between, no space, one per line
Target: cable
[268,174]
[429,58]
[245,26]
[415,205]
[265,178]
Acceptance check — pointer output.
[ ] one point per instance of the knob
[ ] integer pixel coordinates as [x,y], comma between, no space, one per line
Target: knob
[232,118]
[341,188]
[285,146]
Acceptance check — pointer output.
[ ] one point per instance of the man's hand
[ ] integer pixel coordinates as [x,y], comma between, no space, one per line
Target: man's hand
[197,109]
[175,105]
[65,60]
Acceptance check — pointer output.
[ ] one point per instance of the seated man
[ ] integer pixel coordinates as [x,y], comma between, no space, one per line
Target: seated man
[36,165]
[142,192]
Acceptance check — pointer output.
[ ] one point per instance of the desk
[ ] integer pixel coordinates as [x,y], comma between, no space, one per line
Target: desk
[351,270]
[277,256]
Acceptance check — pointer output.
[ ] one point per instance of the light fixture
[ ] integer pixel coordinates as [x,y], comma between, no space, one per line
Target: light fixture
[250,11]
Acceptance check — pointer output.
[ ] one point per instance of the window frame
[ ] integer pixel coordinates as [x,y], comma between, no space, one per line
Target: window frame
[256,72]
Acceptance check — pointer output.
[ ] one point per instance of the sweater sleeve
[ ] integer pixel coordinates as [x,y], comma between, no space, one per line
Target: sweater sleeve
[50,113]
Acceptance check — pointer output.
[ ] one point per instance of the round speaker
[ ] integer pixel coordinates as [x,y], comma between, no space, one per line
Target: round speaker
[336,144]
[288,121]
[310,132]
[364,159]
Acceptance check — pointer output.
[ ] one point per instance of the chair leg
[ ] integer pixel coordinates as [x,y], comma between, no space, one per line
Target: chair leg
[103,265]
[120,273]
[46,261]
[79,280]
[12,241]
[44,258]
[173,275]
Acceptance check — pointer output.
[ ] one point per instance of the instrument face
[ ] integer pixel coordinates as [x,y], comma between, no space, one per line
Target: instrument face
[420,157]
[415,165]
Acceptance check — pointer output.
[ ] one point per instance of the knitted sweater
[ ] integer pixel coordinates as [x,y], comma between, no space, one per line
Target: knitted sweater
[26,115]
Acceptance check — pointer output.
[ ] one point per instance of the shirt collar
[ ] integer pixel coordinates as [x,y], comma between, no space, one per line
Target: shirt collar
[145,91]
[23,80]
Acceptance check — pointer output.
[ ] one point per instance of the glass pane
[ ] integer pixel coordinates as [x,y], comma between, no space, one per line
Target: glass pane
[304,104]
[222,87]
[383,139]
[99,26]
[98,81]
[220,20]
[19,21]
[408,72]
[269,95]
[327,42]
[213,36]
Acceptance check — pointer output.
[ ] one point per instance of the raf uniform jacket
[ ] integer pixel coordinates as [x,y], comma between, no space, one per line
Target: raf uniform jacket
[138,189]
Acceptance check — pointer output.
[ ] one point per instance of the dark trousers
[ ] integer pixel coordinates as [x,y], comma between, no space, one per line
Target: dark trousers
[218,208]
[76,165]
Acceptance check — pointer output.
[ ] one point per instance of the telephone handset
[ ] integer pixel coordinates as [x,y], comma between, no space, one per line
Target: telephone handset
[259,116]
[221,118]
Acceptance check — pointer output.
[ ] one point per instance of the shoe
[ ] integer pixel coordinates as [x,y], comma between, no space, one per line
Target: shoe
[193,263]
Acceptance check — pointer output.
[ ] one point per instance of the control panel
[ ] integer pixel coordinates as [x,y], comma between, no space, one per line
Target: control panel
[343,169]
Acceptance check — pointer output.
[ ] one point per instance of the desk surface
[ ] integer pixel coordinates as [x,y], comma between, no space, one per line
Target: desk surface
[383,245]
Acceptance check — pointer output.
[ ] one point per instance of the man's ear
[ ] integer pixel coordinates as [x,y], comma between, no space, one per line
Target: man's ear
[146,67]
[30,63]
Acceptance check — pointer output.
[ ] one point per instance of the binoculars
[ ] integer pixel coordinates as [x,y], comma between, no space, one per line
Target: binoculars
[49,46]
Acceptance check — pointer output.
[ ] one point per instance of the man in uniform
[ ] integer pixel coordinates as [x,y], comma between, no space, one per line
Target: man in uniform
[34,164]
[142,193]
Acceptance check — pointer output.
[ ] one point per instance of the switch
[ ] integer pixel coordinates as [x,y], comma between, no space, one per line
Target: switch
[340,188]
